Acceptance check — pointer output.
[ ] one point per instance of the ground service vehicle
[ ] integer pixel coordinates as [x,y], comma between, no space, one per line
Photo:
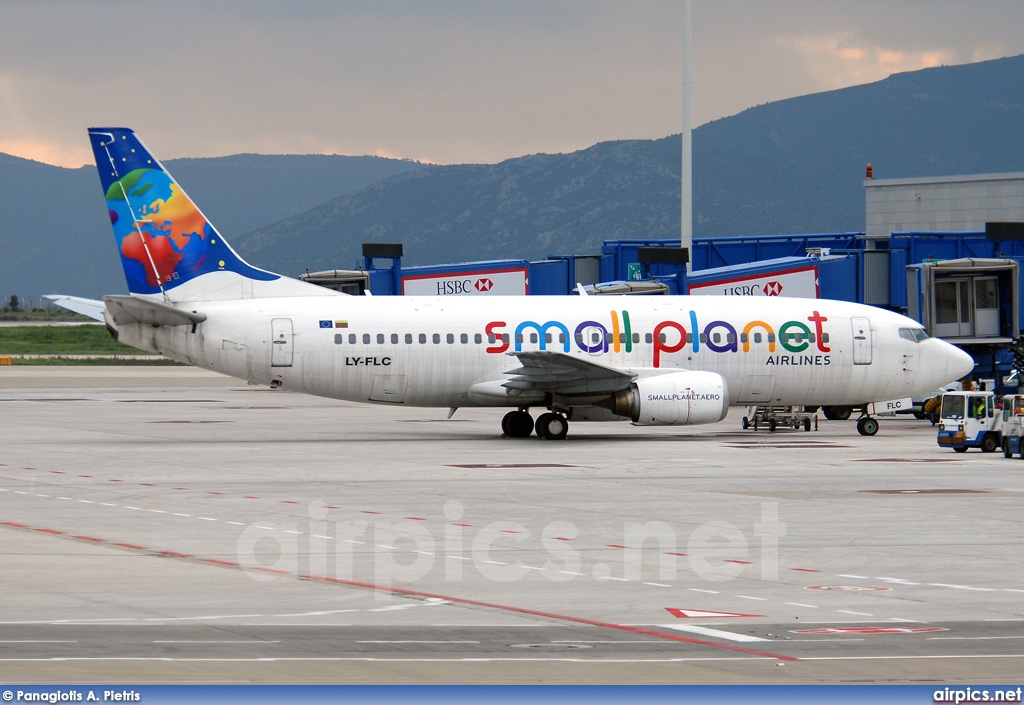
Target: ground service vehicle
[1013,425]
[969,420]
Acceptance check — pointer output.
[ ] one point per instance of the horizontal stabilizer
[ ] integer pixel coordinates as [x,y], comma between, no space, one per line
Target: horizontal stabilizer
[126,310]
[87,307]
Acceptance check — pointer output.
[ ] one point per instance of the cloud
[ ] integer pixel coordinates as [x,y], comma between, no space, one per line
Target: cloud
[841,60]
[48,152]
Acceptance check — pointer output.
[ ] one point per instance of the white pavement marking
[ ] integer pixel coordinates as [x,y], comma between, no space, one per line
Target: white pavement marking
[707,631]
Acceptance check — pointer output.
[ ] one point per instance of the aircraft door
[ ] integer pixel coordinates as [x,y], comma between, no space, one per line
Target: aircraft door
[281,344]
[861,340]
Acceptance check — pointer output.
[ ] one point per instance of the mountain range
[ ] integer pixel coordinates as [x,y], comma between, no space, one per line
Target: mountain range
[791,166]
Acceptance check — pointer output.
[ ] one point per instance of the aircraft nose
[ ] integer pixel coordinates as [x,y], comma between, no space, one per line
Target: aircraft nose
[958,363]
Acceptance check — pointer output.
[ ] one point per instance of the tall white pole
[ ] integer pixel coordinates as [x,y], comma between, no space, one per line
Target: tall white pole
[686,216]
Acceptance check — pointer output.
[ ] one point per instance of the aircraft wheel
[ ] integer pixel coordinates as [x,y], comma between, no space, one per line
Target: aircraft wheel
[771,425]
[989,443]
[841,413]
[744,423]
[867,426]
[828,413]
[1006,449]
[807,425]
[552,427]
[517,424]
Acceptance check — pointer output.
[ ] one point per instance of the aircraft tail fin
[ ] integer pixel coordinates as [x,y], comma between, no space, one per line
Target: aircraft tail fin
[164,240]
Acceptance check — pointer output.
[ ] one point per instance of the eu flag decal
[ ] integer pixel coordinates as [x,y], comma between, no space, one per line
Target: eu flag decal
[326,324]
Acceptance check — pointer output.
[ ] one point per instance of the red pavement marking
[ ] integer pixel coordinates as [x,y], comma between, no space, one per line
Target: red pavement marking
[368,512]
[673,553]
[615,545]
[728,560]
[805,570]
[288,501]
[89,538]
[416,518]
[57,472]
[51,531]
[131,545]
[478,603]
[462,525]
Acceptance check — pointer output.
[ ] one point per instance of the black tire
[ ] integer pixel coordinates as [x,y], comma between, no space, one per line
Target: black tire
[829,414]
[960,449]
[519,424]
[772,425]
[841,413]
[744,423]
[807,425]
[1006,449]
[989,443]
[867,426]
[552,427]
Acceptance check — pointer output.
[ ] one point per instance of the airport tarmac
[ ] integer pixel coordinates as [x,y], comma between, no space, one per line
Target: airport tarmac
[166,525]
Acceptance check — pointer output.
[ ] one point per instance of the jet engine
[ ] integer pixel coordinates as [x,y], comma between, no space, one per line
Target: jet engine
[674,399]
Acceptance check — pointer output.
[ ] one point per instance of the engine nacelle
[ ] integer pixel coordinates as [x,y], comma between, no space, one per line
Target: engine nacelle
[674,399]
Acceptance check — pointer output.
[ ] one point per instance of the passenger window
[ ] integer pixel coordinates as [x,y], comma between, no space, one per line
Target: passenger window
[423,338]
[824,337]
[771,337]
[464,338]
[636,338]
[351,338]
[394,338]
[477,338]
[648,338]
[437,338]
[757,337]
[490,338]
[533,337]
[408,338]
[366,338]
[450,338]
[662,338]
[717,337]
[339,339]
[380,339]
[519,338]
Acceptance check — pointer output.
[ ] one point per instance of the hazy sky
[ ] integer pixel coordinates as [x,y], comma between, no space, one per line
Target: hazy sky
[445,81]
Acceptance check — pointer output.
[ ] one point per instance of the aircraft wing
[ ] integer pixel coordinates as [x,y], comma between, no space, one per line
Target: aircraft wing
[557,373]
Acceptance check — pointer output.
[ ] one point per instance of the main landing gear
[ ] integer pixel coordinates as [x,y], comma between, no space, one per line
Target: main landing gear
[550,426]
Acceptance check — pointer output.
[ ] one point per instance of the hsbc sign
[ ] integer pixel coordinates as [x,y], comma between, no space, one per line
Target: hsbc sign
[800,283]
[508,282]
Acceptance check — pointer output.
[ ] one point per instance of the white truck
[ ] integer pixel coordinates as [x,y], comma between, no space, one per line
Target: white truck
[1013,425]
[969,420]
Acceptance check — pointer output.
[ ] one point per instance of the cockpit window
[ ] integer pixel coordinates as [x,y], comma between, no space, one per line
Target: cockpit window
[915,335]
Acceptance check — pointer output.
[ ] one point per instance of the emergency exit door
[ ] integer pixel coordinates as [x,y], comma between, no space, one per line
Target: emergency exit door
[281,344]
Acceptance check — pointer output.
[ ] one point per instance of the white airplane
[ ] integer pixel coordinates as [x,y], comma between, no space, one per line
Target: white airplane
[658,360]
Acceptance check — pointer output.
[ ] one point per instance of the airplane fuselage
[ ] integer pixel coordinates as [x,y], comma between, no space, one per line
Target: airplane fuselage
[437,351]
